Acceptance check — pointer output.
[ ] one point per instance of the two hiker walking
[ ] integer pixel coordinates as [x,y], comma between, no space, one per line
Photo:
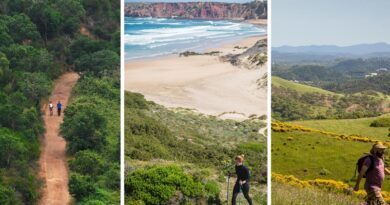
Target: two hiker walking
[59,108]
[372,167]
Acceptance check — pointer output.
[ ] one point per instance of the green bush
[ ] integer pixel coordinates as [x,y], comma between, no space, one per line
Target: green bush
[158,184]
[81,186]
[12,148]
[84,128]
[7,196]
[99,63]
[381,122]
[87,163]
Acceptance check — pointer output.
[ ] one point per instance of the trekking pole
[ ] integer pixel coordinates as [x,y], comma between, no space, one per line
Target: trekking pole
[227,190]
[239,197]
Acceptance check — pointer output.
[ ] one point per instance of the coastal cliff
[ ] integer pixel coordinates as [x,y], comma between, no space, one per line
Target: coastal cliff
[198,10]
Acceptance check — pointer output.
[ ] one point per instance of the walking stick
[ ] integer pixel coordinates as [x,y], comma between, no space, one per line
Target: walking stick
[227,190]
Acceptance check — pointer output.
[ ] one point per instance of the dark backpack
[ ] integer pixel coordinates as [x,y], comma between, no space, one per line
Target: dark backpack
[360,163]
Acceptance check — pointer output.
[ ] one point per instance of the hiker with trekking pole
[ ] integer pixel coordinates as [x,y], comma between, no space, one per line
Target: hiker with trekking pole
[242,183]
[372,167]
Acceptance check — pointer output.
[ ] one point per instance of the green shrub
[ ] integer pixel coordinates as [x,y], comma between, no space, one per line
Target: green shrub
[84,128]
[7,196]
[99,63]
[87,163]
[158,184]
[381,122]
[81,186]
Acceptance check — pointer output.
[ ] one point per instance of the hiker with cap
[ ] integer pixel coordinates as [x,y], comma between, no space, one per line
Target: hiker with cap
[242,183]
[373,169]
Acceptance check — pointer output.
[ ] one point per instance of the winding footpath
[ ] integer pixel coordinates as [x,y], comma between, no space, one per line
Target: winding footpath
[53,161]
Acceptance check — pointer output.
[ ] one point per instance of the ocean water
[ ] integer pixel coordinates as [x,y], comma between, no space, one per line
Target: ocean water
[152,37]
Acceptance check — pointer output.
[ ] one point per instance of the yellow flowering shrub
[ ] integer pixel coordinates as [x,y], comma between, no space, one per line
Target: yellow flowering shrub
[324,184]
[278,126]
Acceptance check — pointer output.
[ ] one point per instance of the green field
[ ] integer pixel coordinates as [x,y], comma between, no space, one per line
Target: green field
[310,155]
[313,155]
[300,88]
[350,126]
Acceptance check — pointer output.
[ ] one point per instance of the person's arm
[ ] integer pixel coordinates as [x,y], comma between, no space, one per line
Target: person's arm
[246,177]
[361,174]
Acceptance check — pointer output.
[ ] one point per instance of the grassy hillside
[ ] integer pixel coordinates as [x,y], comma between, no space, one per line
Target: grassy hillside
[189,145]
[310,155]
[295,101]
[300,88]
[350,126]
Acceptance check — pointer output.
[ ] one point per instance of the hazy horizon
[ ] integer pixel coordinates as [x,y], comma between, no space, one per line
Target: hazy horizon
[167,1]
[307,45]
[332,22]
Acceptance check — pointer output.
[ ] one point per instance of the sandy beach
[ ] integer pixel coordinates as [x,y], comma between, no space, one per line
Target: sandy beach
[203,83]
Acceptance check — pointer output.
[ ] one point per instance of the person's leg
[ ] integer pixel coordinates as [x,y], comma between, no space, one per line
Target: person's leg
[245,191]
[236,191]
[375,198]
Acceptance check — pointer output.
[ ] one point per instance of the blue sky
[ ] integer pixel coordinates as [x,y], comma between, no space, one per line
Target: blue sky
[236,1]
[325,22]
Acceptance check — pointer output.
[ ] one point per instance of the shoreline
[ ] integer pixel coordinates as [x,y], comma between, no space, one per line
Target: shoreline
[219,45]
[203,83]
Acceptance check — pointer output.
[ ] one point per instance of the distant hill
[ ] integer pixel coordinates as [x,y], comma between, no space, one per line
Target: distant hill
[198,10]
[300,88]
[360,49]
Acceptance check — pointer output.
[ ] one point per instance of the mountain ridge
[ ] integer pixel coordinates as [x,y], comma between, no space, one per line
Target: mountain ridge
[198,10]
[358,49]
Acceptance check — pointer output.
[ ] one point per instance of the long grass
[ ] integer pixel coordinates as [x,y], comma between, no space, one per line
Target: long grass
[283,194]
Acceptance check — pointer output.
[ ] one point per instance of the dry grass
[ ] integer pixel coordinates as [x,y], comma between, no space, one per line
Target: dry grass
[283,194]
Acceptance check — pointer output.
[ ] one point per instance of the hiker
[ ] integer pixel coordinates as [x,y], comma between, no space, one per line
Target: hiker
[373,169]
[59,107]
[242,183]
[51,106]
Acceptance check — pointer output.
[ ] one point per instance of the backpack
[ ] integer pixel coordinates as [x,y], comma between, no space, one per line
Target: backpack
[360,163]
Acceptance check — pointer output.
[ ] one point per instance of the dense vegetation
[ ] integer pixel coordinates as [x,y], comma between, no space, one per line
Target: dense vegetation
[39,40]
[187,155]
[342,75]
[91,127]
[289,104]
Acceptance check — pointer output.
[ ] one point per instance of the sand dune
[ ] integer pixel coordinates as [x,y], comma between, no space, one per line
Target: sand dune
[203,83]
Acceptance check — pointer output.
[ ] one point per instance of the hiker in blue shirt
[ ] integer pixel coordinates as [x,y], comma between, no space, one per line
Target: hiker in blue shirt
[59,107]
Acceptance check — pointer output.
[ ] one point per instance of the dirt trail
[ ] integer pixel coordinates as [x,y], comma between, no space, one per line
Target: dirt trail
[53,162]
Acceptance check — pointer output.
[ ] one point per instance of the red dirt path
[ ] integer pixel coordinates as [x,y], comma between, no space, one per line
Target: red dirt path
[53,162]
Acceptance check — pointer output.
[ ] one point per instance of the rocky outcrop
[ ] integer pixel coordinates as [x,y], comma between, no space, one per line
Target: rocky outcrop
[198,10]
